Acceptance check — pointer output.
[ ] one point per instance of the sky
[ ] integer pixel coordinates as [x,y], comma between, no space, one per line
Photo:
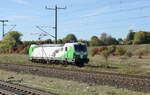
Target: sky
[84,18]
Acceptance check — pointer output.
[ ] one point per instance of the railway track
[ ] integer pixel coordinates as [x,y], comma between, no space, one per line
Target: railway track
[13,89]
[131,82]
[5,92]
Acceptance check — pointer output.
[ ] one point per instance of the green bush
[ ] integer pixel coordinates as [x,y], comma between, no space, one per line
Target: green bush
[95,41]
[129,54]
[105,53]
[140,53]
[112,49]
[120,51]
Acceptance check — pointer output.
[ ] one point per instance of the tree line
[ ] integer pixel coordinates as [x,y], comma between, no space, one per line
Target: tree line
[12,43]
[141,37]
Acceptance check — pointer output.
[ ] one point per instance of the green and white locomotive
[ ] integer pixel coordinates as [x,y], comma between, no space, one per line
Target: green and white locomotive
[70,53]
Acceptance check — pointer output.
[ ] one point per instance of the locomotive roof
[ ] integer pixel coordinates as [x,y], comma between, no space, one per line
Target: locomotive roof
[51,45]
[55,45]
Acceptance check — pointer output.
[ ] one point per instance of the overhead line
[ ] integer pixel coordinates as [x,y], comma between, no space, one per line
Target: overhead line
[133,18]
[118,11]
[13,26]
[126,19]
[124,10]
[118,26]
[112,4]
[119,20]
[44,31]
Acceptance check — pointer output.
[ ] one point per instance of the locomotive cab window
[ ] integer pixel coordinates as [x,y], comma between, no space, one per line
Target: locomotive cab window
[80,48]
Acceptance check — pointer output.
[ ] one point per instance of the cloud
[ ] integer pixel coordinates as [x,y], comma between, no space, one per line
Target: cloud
[96,12]
[22,18]
[83,18]
[131,27]
[23,2]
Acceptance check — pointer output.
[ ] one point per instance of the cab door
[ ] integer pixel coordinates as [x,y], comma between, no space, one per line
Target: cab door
[69,52]
[66,52]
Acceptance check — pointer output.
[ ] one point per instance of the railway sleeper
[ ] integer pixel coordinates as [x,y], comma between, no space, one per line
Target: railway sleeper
[5,92]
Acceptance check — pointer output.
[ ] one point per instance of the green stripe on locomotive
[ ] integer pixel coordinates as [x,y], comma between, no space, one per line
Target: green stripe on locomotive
[31,49]
[69,54]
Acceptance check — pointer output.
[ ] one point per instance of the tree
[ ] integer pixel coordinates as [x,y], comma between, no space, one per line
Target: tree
[11,40]
[48,41]
[120,41]
[130,35]
[139,37]
[95,41]
[84,41]
[142,37]
[60,41]
[70,38]
[147,38]
[105,53]
[110,41]
[103,36]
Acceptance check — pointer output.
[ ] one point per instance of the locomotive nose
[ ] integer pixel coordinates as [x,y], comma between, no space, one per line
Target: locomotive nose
[82,54]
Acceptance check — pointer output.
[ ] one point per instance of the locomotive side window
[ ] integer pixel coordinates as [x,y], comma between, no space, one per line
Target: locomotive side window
[61,49]
[65,48]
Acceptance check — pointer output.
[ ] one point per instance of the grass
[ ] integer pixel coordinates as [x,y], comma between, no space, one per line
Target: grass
[14,58]
[124,65]
[132,65]
[63,87]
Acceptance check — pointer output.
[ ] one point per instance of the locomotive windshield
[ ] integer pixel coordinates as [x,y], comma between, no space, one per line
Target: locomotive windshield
[80,48]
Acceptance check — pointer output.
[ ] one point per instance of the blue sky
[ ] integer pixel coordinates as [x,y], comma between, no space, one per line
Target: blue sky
[84,18]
